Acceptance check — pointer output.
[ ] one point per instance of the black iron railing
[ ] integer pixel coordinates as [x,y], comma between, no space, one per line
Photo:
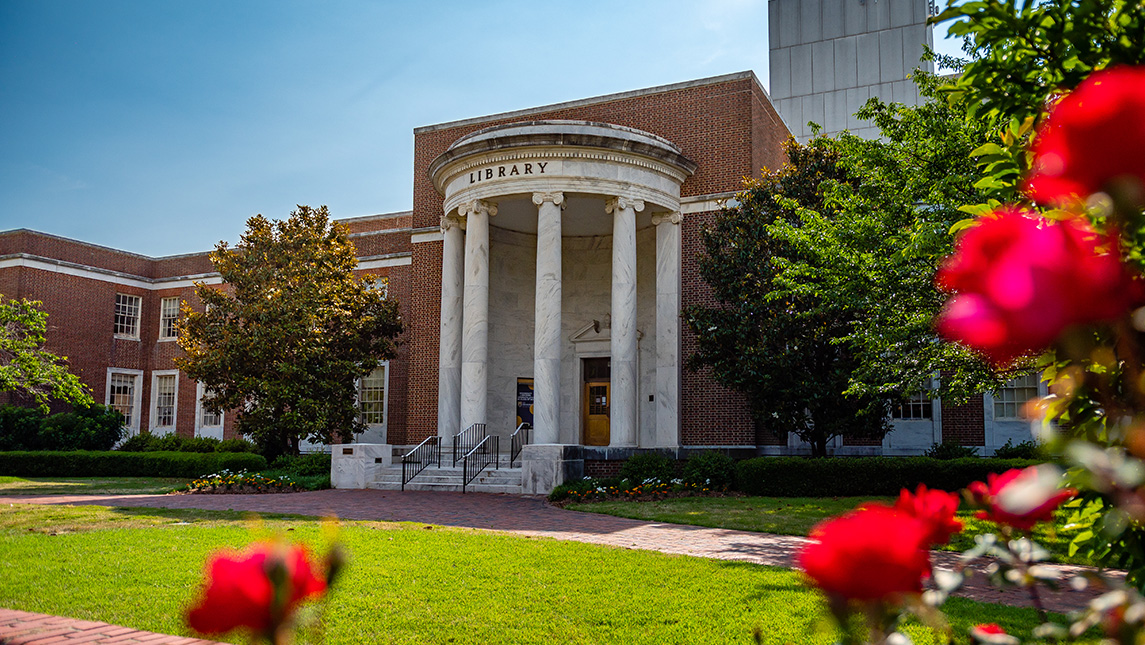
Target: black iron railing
[415,461]
[479,458]
[518,441]
[466,440]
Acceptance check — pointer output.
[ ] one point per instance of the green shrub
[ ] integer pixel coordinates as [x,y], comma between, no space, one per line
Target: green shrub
[648,466]
[235,445]
[140,443]
[96,427]
[950,449]
[1025,450]
[200,444]
[303,465]
[859,476]
[124,464]
[20,428]
[712,470]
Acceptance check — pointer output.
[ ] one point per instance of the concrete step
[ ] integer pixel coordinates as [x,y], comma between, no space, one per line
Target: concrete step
[454,486]
[490,480]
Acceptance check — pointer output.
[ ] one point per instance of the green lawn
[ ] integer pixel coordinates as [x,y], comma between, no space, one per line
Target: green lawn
[88,485]
[410,583]
[796,516]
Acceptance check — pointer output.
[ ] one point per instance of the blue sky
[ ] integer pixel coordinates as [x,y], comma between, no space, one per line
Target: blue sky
[158,127]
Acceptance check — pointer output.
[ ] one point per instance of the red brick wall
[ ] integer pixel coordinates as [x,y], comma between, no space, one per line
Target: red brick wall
[710,414]
[964,423]
[423,333]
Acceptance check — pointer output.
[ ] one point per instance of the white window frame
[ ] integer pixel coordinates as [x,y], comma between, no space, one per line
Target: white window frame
[999,430]
[153,418]
[163,318]
[134,334]
[137,396]
[201,430]
[377,432]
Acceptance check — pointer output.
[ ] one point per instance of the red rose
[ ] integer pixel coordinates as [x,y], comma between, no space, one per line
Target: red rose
[1020,498]
[1093,135]
[935,509]
[1019,280]
[240,591]
[873,553]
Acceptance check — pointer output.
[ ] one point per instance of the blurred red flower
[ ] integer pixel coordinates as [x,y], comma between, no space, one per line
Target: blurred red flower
[1020,497]
[935,509]
[1093,135]
[991,634]
[873,553]
[1019,280]
[241,588]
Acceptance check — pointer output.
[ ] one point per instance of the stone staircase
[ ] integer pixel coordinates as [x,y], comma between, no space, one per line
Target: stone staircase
[448,478]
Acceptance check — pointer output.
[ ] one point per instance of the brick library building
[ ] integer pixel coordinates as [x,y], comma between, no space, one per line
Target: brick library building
[541,274]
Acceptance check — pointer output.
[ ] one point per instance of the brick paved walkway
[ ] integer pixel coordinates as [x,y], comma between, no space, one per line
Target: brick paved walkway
[26,628]
[534,517]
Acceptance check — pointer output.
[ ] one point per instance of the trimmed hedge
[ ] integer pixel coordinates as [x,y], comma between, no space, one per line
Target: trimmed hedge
[854,476]
[125,464]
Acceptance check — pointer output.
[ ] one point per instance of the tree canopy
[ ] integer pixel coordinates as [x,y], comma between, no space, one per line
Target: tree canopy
[26,368]
[777,344]
[285,339]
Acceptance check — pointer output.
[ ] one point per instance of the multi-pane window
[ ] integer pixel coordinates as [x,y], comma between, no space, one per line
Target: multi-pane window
[209,418]
[915,408]
[168,314]
[372,397]
[127,315]
[165,400]
[1009,401]
[121,396]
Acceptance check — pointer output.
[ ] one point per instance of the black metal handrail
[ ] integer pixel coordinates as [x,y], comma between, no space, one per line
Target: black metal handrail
[517,441]
[466,440]
[484,453]
[417,459]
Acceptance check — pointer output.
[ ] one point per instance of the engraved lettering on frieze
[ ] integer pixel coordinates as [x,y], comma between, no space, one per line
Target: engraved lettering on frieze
[508,170]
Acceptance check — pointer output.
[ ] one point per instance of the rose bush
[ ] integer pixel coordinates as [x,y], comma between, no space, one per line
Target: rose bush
[1020,498]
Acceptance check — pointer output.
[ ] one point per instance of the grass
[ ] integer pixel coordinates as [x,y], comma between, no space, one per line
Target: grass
[412,583]
[796,516]
[89,485]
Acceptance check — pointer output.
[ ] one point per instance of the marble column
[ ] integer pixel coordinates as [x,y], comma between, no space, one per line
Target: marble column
[449,350]
[547,320]
[667,434]
[475,329]
[622,413]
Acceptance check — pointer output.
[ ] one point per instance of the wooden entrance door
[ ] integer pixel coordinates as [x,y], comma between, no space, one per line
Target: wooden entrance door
[596,404]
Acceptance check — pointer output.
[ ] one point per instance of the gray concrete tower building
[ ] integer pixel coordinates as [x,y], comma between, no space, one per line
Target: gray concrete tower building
[829,56]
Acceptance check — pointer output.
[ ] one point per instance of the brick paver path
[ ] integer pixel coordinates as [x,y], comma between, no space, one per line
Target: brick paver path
[26,628]
[535,517]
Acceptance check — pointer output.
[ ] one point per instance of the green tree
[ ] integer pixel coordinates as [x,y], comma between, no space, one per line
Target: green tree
[875,243]
[782,347]
[26,368]
[283,342]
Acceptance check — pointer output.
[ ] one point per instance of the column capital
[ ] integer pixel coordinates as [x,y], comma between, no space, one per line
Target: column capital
[557,198]
[621,203]
[449,221]
[666,218]
[477,206]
